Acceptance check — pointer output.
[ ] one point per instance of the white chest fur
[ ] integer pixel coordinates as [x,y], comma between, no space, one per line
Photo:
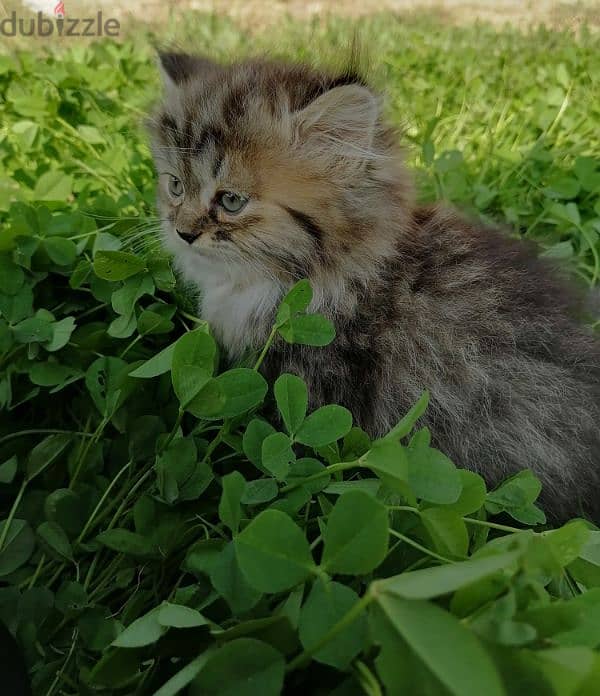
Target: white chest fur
[238,304]
[239,314]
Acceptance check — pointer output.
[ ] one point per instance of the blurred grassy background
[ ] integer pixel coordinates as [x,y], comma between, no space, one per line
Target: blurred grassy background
[256,14]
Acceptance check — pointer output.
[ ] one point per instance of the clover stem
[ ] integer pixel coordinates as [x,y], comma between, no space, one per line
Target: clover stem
[42,431]
[88,445]
[109,488]
[420,547]
[12,512]
[191,317]
[345,621]
[331,469]
[265,350]
[367,679]
[492,525]
[129,495]
[60,672]
[316,542]
[37,571]
[216,441]
[135,341]
[173,432]
[466,520]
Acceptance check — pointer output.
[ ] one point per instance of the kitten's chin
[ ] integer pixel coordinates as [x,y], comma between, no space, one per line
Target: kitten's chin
[197,262]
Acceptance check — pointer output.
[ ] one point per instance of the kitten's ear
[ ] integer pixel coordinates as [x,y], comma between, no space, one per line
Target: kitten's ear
[177,68]
[343,120]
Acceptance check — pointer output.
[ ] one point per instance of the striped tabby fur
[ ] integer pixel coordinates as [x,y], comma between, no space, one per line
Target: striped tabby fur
[420,297]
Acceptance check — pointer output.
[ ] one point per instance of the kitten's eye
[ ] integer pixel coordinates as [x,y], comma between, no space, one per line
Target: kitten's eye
[175,187]
[232,202]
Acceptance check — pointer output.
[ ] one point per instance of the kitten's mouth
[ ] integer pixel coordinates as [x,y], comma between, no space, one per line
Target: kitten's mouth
[198,244]
[206,250]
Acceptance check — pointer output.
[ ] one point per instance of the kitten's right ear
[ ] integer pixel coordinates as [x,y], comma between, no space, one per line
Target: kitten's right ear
[341,123]
[178,68]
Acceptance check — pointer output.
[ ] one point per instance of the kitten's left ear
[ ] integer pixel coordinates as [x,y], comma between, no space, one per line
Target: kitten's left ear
[343,120]
[178,68]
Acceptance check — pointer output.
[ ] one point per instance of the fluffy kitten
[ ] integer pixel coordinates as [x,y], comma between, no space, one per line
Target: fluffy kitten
[270,173]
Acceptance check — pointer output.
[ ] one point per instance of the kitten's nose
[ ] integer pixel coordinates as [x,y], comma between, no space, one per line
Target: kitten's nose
[188,237]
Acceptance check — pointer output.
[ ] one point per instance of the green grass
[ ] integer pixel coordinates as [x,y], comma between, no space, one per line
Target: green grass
[153,523]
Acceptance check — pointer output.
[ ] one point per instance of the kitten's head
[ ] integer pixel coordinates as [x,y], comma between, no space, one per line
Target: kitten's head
[280,167]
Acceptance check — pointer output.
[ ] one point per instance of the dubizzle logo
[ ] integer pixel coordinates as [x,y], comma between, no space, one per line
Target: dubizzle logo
[60,25]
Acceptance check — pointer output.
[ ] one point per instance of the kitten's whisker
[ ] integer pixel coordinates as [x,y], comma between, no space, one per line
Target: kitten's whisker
[175,148]
[143,234]
[97,216]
